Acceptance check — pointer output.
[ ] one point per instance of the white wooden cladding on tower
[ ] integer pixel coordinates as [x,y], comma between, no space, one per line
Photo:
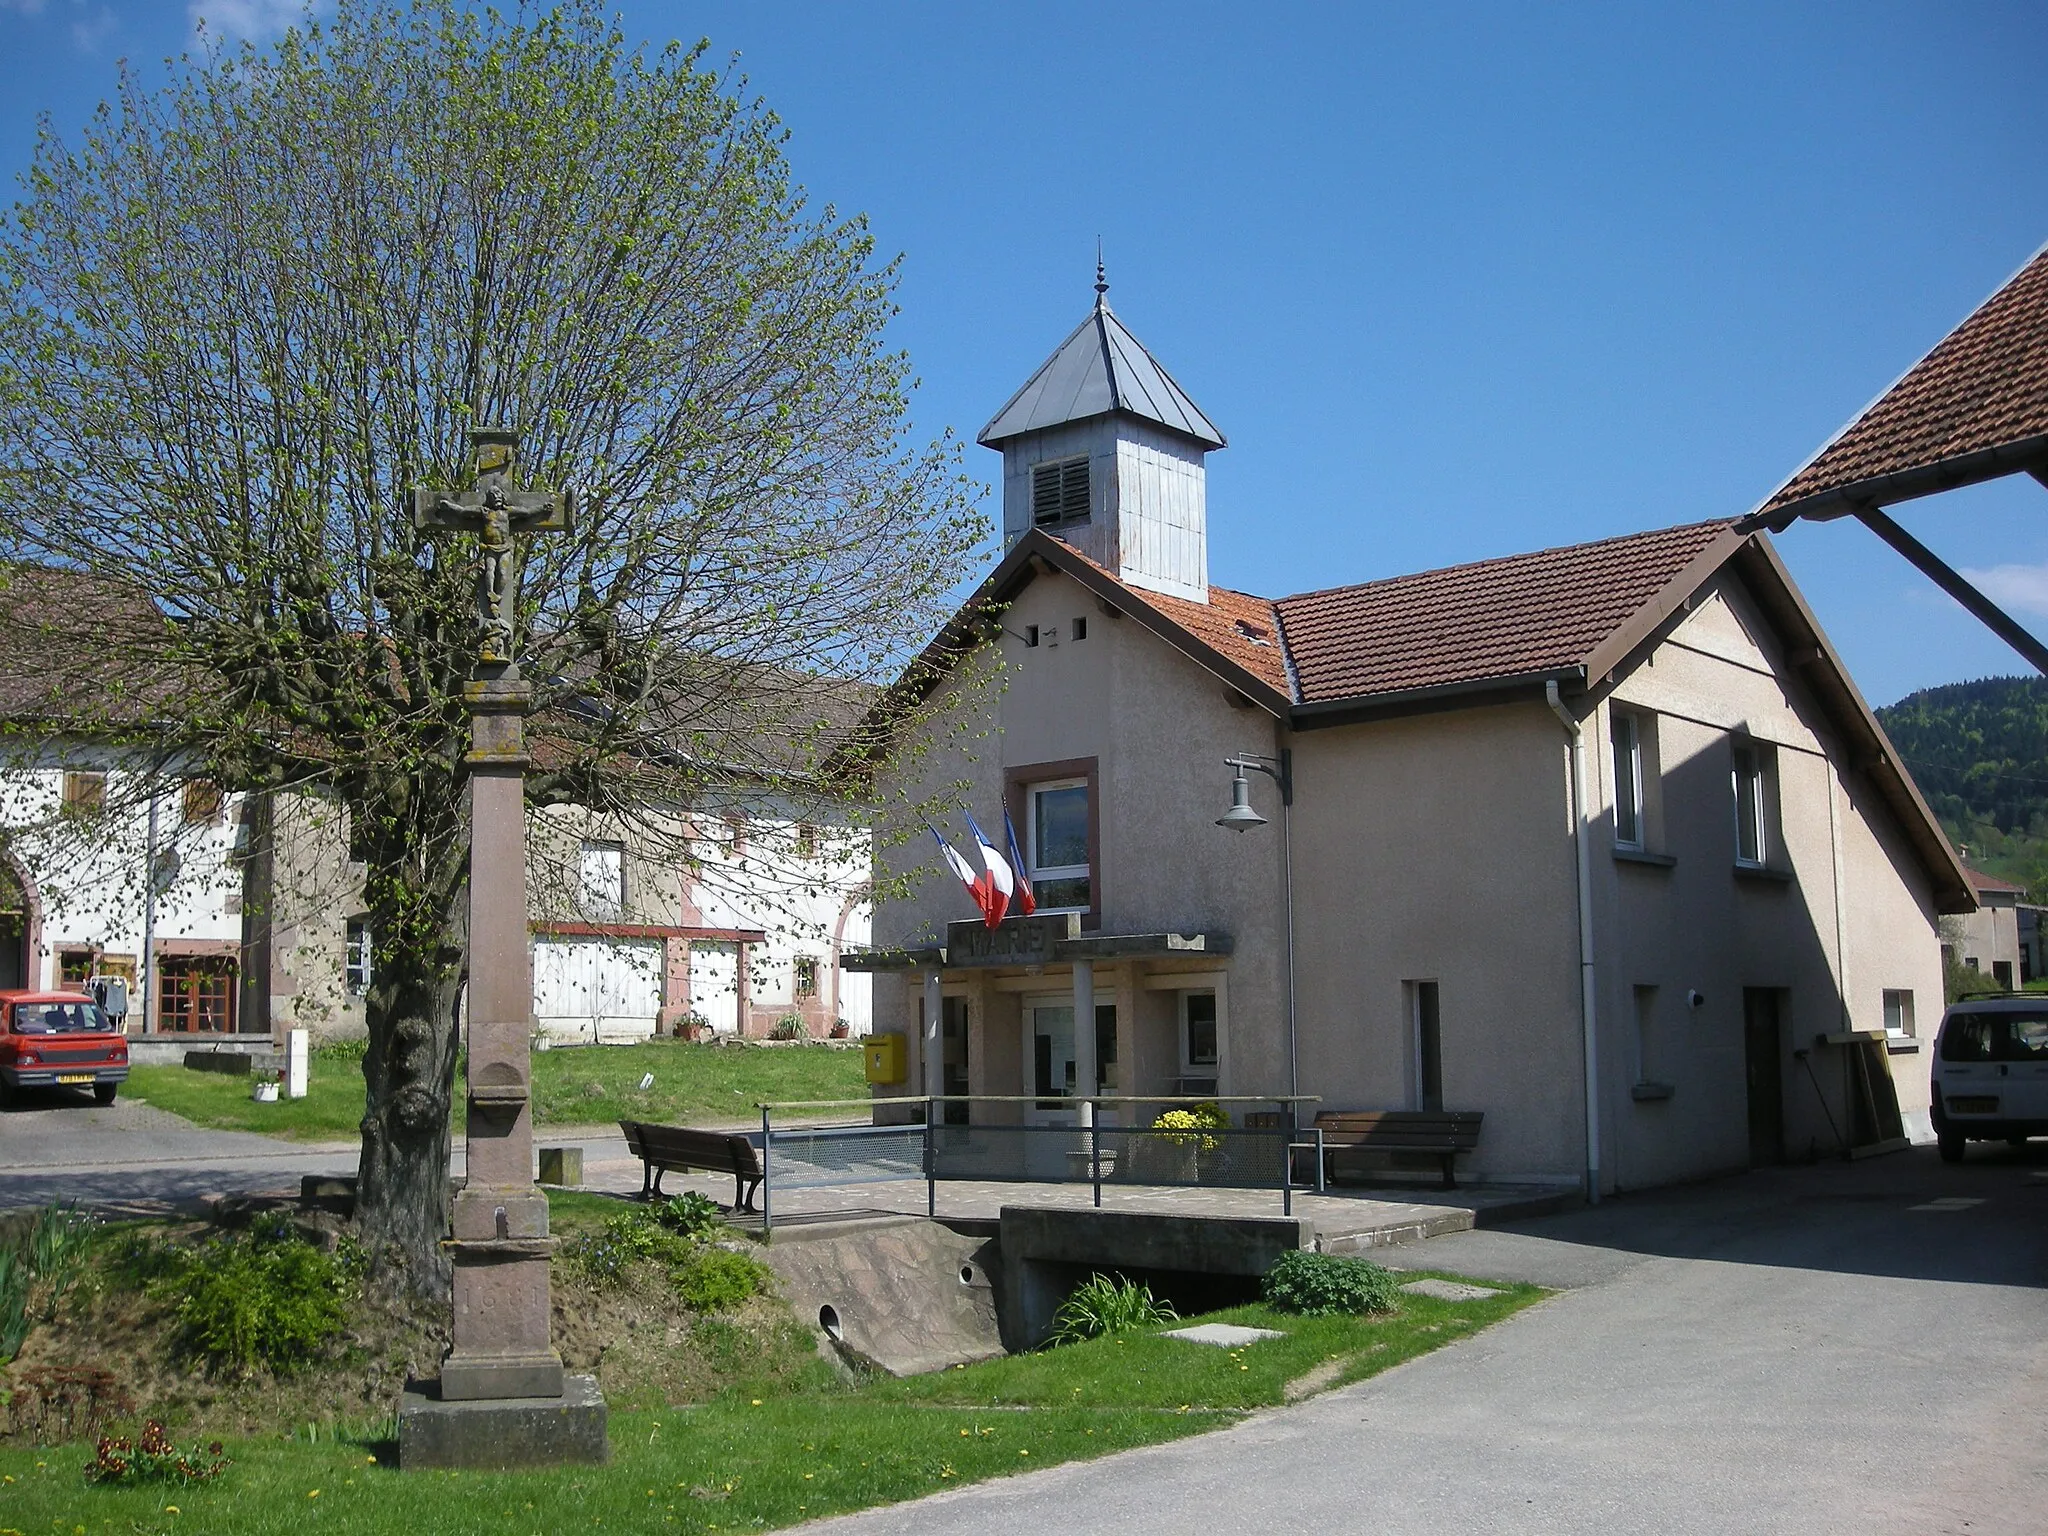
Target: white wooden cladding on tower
[1146,506]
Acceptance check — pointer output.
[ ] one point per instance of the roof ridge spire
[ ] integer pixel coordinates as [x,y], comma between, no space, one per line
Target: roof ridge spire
[1101,280]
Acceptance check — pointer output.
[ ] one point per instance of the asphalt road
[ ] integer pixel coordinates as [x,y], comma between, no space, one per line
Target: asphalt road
[58,1145]
[1846,1348]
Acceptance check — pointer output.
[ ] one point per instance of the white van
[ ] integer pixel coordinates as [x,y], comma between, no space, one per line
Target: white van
[1991,1073]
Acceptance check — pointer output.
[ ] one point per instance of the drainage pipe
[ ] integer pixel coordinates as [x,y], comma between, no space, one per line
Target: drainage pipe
[1588,989]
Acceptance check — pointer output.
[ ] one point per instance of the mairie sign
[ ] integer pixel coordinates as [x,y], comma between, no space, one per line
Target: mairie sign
[1018,941]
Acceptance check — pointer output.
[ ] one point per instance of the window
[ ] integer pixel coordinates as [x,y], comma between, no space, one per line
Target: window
[1058,832]
[1429,1044]
[202,802]
[603,896]
[1031,636]
[1752,805]
[805,975]
[85,794]
[736,834]
[806,841]
[1898,1014]
[1995,1037]
[1078,630]
[195,994]
[74,967]
[1626,738]
[1059,492]
[1198,1034]
[356,970]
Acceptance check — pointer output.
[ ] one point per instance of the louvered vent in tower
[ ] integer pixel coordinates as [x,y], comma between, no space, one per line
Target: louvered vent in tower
[1059,492]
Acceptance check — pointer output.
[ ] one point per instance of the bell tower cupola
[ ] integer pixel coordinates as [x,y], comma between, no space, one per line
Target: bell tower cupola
[1103,450]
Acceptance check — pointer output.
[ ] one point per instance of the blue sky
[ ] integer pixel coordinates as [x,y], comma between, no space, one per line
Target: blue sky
[1455,280]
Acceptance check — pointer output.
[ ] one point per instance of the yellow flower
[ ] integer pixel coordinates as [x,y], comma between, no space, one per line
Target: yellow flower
[313,1493]
[757,1402]
[170,1509]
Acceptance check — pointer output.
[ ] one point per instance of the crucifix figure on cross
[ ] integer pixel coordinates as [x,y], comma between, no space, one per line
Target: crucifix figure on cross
[495,514]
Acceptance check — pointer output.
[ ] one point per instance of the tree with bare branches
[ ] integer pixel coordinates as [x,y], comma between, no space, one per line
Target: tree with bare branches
[242,316]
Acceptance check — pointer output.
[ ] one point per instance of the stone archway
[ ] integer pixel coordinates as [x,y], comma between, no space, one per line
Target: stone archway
[20,924]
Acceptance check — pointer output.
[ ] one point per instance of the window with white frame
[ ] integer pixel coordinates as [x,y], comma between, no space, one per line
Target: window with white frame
[1057,813]
[356,970]
[1752,804]
[1898,1013]
[1626,737]
[603,890]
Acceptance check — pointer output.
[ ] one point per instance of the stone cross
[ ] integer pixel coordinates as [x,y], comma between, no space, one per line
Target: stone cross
[495,513]
[500,1348]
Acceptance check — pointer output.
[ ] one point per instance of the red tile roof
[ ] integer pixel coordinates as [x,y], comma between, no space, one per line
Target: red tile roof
[1984,387]
[1991,884]
[1466,623]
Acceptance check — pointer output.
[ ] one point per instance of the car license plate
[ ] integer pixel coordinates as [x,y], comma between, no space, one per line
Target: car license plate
[1975,1104]
[74,1077]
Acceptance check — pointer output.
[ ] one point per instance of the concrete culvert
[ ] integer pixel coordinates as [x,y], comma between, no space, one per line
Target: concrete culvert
[967,1274]
[828,1319]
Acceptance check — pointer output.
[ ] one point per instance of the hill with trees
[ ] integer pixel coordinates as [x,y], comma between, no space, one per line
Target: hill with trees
[1979,752]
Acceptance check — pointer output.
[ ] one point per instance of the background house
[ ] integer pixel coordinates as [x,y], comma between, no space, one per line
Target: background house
[1988,939]
[253,916]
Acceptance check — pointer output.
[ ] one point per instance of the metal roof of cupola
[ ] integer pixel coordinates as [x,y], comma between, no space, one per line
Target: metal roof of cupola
[1103,449]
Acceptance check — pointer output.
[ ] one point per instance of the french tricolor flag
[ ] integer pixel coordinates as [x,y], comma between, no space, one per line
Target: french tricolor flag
[996,886]
[1026,898]
[956,862]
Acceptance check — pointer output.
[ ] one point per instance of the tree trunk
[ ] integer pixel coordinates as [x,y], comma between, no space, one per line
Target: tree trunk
[402,1191]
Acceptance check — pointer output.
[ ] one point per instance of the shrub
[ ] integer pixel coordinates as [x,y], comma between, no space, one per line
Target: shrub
[1100,1306]
[692,1215]
[270,1299]
[624,1240]
[41,1260]
[713,1279]
[341,1050]
[153,1459]
[1323,1284]
[789,1027]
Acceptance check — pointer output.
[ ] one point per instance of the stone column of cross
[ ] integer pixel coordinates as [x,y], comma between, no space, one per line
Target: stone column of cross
[501,1347]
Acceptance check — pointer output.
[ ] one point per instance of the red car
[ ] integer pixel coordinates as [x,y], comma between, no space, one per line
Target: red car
[59,1040]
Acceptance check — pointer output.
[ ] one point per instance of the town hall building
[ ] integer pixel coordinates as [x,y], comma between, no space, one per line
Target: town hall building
[1600,841]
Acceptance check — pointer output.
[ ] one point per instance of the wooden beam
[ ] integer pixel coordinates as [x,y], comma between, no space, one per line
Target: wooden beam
[1951,581]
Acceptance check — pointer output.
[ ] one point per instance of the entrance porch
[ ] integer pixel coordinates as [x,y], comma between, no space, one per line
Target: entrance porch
[1035,1011]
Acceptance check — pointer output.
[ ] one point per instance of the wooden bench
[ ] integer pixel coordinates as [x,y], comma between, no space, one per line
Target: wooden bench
[1442,1134]
[664,1147]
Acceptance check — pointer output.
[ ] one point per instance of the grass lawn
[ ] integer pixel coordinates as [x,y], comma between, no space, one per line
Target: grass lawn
[693,1085]
[747,1462]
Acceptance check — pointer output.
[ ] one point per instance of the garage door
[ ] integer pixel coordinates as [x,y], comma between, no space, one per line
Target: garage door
[596,991]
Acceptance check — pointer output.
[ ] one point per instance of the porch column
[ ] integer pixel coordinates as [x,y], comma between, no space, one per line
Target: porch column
[1084,1037]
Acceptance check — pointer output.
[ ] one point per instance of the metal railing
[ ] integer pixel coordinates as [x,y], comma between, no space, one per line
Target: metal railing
[1095,1148]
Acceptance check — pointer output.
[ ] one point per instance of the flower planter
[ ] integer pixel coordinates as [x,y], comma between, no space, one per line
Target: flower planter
[263,1093]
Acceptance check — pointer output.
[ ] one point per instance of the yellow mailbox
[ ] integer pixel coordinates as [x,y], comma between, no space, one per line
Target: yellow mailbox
[885,1058]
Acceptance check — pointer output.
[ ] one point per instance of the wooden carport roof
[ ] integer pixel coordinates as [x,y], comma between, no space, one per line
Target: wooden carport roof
[1973,409]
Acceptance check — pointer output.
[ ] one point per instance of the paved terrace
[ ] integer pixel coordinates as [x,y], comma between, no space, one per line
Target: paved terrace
[131,1155]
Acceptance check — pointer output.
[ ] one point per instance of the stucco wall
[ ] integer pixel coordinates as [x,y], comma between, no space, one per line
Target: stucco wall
[1701,925]
[1438,848]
